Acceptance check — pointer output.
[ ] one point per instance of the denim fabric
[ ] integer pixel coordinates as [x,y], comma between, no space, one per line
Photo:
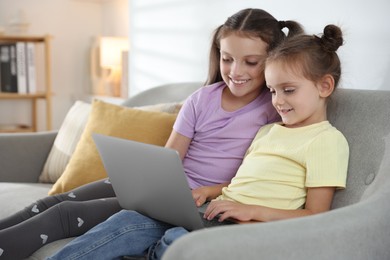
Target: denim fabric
[125,233]
[157,250]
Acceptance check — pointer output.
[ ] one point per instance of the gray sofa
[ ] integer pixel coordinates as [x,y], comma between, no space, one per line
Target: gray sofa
[22,157]
[356,228]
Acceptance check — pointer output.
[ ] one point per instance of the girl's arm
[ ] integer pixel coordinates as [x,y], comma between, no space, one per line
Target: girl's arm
[178,142]
[202,194]
[318,200]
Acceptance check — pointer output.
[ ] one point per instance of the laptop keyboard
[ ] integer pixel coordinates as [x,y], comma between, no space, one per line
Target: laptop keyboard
[214,222]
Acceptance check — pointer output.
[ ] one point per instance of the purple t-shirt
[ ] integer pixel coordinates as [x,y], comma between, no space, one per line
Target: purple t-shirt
[219,138]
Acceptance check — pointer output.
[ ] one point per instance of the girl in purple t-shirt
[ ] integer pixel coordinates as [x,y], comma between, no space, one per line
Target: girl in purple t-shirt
[212,132]
[218,138]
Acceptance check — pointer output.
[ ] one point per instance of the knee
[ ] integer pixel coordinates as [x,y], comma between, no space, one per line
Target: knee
[173,234]
[157,250]
[66,206]
[126,215]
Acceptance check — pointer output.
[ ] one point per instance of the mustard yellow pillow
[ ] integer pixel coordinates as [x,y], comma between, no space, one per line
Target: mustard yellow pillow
[143,126]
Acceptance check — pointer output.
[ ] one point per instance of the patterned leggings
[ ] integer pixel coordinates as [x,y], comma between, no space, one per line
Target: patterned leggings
[56,217]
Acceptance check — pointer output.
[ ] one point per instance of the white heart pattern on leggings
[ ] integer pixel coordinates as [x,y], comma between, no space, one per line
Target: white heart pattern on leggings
[80,222]
[35,209]
[1,251]
[72,195]
[44,238]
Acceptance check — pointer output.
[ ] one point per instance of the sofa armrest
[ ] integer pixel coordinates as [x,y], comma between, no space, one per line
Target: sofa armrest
[358,231]
[23,155]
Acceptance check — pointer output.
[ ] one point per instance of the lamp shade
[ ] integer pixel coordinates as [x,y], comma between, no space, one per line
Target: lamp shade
[111,51]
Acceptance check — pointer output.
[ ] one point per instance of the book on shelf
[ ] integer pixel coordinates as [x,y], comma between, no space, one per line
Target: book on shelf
[13,64]
[31,70]
[18,68]
[21,67]
[8,76]
[5,68]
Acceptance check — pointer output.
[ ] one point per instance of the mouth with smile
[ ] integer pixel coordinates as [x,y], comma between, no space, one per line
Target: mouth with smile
[284,111]
[239,81]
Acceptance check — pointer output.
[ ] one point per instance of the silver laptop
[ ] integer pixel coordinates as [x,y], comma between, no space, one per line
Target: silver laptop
[150,180]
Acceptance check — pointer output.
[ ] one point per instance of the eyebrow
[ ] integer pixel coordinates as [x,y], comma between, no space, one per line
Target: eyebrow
[282,85]
[250,55]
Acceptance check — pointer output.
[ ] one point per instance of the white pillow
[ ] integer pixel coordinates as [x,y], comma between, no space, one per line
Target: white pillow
[66,140]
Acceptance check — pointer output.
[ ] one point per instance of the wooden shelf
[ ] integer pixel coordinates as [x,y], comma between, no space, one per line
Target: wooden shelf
[22,96]
[15,128]
[23,38]
[44,92]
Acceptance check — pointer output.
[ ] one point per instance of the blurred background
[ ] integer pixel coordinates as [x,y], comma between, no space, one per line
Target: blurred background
[153,42]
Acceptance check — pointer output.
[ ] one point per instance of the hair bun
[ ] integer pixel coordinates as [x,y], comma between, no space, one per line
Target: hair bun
[332,38]
[282,24]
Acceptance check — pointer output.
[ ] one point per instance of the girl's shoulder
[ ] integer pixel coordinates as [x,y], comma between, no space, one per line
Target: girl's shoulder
[211,89]
[335,134]
[327,130]
[329,137]
[265,129]
[207,92]
[204,96]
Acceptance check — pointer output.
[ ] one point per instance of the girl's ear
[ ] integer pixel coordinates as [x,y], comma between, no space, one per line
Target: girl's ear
[326,86]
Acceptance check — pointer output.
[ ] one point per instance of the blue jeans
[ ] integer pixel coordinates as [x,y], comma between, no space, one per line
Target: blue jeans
[124,233]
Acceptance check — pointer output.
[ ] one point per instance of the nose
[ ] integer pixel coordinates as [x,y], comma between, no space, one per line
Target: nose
[277,99]
[236,69]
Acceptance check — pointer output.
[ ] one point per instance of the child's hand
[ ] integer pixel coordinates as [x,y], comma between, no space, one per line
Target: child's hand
[200,195]
[228,209]
[207,193]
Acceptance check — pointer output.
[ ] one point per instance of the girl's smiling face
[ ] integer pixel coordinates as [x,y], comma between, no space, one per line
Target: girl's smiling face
[299,101]
[242,65]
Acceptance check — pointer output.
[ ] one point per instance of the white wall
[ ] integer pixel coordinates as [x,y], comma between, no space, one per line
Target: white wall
[170,38]
[73,25]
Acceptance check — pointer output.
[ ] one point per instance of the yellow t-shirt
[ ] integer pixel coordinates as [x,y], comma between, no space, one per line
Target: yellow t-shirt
[282,162]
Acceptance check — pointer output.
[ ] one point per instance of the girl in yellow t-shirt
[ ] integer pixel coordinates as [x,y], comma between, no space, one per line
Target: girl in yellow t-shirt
[292,168]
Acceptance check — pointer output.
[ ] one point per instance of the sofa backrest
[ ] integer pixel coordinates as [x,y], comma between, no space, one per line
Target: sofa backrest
[175,92]
[363,116]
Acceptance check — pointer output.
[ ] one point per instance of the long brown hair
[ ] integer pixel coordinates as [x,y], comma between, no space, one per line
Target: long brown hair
[249,22]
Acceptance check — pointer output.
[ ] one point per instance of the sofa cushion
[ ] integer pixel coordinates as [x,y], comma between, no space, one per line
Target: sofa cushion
[21,195]
[49,249]
[365,125]
[144,126]
[381,179]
